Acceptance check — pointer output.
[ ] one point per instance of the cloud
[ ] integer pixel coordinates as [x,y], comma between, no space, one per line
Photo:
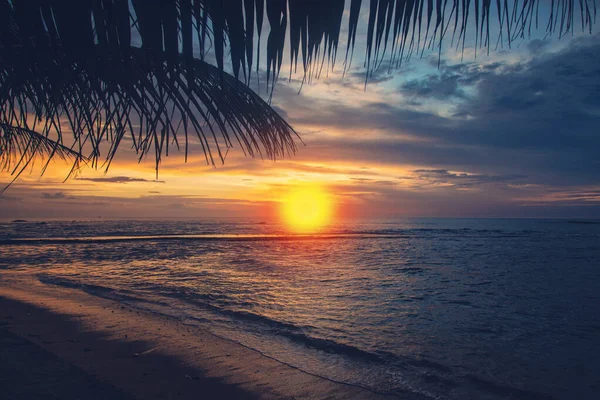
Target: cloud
[57,195]
[537,46]
[588,197]
[444,82]
[282,113]
[535,118]
[380,75]
[35,204]
[118,179]
[462,179]
[448,82]
[5,197]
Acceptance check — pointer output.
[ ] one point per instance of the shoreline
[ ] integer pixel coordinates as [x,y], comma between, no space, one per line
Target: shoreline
[151,356]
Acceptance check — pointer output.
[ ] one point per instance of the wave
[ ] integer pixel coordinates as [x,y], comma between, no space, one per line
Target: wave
[281,328]
[585,222]
[290,331]
[219,237]
[505,391]
[333,347]
[430,371]
[266,237]
[95,290]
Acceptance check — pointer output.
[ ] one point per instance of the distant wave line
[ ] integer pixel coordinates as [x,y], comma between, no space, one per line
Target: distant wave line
[201,237]
[266,237]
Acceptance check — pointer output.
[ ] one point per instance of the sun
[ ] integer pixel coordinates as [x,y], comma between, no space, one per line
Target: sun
[306,209]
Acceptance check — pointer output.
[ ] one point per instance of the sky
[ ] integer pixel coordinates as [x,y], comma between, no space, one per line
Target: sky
[509,134]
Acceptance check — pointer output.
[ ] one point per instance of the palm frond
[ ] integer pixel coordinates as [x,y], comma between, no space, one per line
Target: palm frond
[152,102]
[21,147]
[71,68]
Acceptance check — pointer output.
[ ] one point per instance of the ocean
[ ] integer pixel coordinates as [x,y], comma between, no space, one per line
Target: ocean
[442,308]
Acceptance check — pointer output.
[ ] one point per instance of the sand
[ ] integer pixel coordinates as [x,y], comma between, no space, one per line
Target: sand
[29,372]
[64,343]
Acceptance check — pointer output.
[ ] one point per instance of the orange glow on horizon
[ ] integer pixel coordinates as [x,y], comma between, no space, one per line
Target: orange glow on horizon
[305,209]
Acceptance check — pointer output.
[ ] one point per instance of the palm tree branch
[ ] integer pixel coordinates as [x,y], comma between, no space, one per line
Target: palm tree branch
[20,147]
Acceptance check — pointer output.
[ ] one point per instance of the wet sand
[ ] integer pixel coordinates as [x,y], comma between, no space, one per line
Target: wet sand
[64,343]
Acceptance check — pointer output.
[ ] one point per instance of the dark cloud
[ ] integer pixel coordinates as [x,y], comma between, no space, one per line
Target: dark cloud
[57,195]
[537,46]
[178,206]
[379,75]
[537,119]
[546,113]
[118,179]
[450,81]
[282,113]
[463,180]
[5,197]
[375,182]
[437,86]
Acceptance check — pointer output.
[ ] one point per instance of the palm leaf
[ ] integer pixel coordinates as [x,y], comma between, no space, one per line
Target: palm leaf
[99,100]
[21,147]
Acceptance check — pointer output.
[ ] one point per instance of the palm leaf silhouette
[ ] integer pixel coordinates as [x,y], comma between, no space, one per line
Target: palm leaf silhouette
[74,85]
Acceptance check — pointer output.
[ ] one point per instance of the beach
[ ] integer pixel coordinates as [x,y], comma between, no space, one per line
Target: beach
[64,343]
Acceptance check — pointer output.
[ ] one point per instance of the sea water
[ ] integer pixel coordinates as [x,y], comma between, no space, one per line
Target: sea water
[441,308]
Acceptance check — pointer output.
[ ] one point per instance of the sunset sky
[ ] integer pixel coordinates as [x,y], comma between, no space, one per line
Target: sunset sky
[512,134]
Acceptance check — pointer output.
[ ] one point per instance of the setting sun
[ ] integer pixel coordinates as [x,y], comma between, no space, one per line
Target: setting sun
[306,209]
